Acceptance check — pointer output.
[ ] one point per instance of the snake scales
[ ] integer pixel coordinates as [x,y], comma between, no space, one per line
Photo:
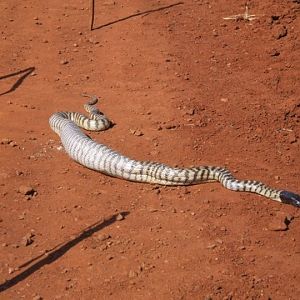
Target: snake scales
[101,158]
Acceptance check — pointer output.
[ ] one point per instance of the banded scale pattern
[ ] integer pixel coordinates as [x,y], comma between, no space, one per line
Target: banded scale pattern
[101,158]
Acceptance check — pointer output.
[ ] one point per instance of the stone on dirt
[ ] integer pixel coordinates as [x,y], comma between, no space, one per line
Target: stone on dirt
[27,190]
[27,239]
[119,217]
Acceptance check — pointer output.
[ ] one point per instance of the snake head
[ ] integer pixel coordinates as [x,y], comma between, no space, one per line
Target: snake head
[290,198]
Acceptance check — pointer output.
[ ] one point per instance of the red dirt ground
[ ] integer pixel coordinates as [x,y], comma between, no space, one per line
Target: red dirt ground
[196,89]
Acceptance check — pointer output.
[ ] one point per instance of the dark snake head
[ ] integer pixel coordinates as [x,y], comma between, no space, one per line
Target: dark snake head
[290,198]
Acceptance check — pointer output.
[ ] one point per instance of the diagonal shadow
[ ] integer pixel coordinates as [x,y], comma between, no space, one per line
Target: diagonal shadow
[57,251]
[19,81]
[136,15]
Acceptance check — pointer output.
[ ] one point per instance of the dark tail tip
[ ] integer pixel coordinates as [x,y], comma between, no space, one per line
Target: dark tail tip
[290,198]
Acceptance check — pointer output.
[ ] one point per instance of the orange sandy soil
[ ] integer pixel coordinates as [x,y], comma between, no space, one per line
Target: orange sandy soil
[184,87]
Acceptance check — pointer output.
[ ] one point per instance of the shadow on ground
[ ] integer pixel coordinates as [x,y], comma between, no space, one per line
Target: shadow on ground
[25,72]
[142,13]
[56,252]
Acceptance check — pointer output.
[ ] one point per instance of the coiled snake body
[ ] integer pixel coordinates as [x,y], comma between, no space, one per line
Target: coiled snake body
[101,158]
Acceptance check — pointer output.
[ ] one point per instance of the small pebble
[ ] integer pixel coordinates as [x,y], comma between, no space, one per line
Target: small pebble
[64,62]
[132,274]
[280,222]
[288,219]
[274,52]
[6,141]
[136,132]
[170,126]
[190,112]
[27,239]
[211,246]
[13,144]
[27,190]
[119,217]
[102,237]
[152,210]
[22,216]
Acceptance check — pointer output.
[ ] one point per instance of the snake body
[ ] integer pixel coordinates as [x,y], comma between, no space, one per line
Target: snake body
[101,158]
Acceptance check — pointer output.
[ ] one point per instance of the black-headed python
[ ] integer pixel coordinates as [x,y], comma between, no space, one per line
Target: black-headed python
[103,159]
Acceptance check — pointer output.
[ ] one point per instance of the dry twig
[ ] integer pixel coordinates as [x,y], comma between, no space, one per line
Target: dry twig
[245,16]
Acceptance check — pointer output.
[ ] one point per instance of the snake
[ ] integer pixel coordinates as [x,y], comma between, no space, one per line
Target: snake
[99,157]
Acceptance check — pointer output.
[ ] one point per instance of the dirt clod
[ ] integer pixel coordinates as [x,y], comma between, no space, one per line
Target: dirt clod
[280,32]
